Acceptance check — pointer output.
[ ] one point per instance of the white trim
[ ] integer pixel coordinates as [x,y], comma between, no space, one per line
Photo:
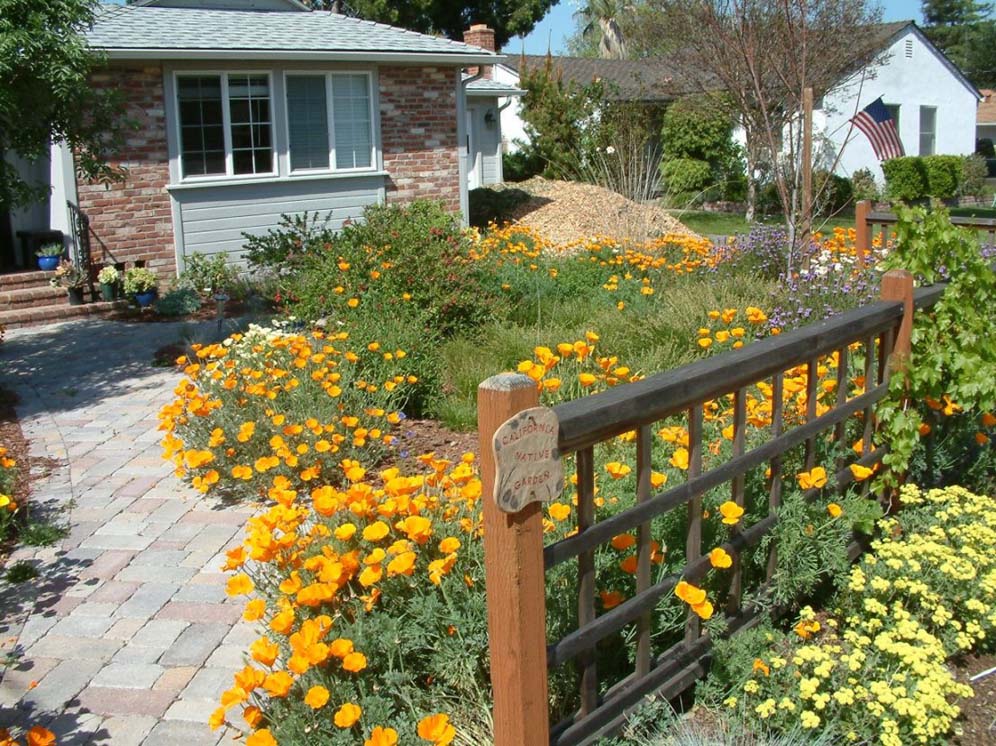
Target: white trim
[327,176]
[458,59]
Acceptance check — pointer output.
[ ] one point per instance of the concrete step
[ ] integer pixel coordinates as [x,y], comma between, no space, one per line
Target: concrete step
[31,297]
[52,314]
[22,280]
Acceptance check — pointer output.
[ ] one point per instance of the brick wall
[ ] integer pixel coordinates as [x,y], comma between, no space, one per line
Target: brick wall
[418,123]
[132,220]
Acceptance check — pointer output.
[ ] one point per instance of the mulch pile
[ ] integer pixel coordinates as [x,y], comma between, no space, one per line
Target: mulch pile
[563,211]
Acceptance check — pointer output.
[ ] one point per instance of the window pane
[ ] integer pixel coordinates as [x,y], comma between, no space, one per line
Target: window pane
[352,124]
[894,113]
[249,114]
[199,105]
[926,144]
[307,116]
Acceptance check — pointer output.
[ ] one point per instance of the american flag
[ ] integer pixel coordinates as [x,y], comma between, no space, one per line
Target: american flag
[877,124]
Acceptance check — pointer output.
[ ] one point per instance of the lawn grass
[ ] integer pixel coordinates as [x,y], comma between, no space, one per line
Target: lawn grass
[973,212]
[728,224]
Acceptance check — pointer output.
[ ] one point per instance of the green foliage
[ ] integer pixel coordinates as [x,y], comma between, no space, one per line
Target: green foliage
[832,193]
[943,175]
[51,249]
[294,237]
[973,176]
[686,175]
[494,205]
[179,301]
[41,534]
[209,274]
[508,18]
[863,185]
[21,572]
[954,350]
[521,165]
[962,30]
[699,129]
[46,96]
[905,178]
[139,280]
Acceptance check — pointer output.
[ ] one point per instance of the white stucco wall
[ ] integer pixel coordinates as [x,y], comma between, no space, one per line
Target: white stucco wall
[512,131]
[912,75]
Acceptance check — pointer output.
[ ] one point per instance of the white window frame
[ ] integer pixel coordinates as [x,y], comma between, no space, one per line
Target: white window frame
[330,116]
[226,120]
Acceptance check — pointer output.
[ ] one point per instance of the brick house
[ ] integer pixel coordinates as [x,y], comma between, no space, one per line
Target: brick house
[247,109]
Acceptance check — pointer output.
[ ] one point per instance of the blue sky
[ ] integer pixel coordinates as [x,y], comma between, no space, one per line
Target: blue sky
[558,25]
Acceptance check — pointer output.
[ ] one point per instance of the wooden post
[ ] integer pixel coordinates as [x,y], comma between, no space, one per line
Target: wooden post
[862,231]
[515,580]
[807,163]
[897,285]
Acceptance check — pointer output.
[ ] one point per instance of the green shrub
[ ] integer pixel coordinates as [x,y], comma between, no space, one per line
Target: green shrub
[905,178]
[686,175]
[139,280]
[521,165]
[700,128]
[943,175]
[973,176]
[294,237]
[864,186]
[832,193]
[494,205]
[179,301]
[209,274]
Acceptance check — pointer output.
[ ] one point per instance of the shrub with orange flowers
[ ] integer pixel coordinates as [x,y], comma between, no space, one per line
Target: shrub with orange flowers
[8,505]
[369,599]
[269,411]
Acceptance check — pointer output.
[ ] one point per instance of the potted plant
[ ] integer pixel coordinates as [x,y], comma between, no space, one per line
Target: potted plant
[141,283]
[48,256]
[73,279]
[108,277]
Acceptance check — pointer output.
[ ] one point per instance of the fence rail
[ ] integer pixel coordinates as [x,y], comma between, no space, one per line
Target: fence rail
[516,560]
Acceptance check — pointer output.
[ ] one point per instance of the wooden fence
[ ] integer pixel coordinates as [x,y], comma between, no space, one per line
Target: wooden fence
[516,560]
[866,220]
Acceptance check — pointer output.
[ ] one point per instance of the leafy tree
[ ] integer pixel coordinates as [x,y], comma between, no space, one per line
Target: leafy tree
[45,64]
[963,30]
[507,17]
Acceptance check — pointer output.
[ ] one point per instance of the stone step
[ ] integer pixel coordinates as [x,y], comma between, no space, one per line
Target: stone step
[41,315]
[21,280]
[31,297]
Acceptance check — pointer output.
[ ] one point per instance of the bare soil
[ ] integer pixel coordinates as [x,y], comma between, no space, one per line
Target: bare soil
[978,714]
[417,437]
[563,211]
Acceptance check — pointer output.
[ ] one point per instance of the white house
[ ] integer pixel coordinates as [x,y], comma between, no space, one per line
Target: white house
[931,100]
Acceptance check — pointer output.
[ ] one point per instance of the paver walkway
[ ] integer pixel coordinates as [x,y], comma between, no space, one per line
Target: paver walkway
[127,630]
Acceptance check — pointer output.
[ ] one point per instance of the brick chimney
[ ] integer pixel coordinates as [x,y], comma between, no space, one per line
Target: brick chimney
[479,35]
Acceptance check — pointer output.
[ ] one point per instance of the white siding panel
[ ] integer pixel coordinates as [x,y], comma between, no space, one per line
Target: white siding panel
[214,218]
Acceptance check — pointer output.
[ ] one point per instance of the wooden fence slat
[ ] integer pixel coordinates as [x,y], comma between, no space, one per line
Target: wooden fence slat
[775,492]
[644,443]
[862,234]
[515,582]
[897,285]
[586,576]
[812,374]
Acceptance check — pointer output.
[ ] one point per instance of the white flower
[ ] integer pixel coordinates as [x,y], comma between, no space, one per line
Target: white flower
[610,150]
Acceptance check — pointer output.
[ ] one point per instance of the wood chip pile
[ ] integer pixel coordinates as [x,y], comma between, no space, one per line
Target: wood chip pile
[564,211]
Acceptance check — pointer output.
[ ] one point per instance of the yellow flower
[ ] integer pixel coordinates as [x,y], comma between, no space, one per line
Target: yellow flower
[376,531]
[617,470]
[354,662]
[731,513]
[381,736]
[679,459]
[813,479]
[261,738]
[623,542]
[586,379]
[834,510]
[317,697]
[689,593]
[347,715]
[719,558]
[436,729]
[559,511]
[239,585]
[860,473]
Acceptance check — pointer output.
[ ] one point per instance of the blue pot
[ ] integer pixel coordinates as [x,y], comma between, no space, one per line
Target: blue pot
[145,299]
[48,263]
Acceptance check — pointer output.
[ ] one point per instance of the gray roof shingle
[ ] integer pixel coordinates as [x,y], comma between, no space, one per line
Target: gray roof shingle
[486,87]
[143,31]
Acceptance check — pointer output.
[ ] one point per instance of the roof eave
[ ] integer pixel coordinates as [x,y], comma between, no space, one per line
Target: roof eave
[494,92]
[317,55]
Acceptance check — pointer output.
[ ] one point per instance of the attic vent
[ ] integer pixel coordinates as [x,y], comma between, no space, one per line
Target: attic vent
[909,49]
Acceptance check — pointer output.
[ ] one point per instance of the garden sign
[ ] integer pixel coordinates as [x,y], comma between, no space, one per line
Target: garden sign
[527,462]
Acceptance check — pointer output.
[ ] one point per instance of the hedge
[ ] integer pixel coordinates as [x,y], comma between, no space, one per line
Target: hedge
[914,178]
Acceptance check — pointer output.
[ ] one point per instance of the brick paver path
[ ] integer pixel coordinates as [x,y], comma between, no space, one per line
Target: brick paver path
[126,630]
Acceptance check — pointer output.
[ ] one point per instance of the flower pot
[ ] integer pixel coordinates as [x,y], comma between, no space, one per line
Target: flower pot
[145,299]
[107,290]
[48,263]
[75,296]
